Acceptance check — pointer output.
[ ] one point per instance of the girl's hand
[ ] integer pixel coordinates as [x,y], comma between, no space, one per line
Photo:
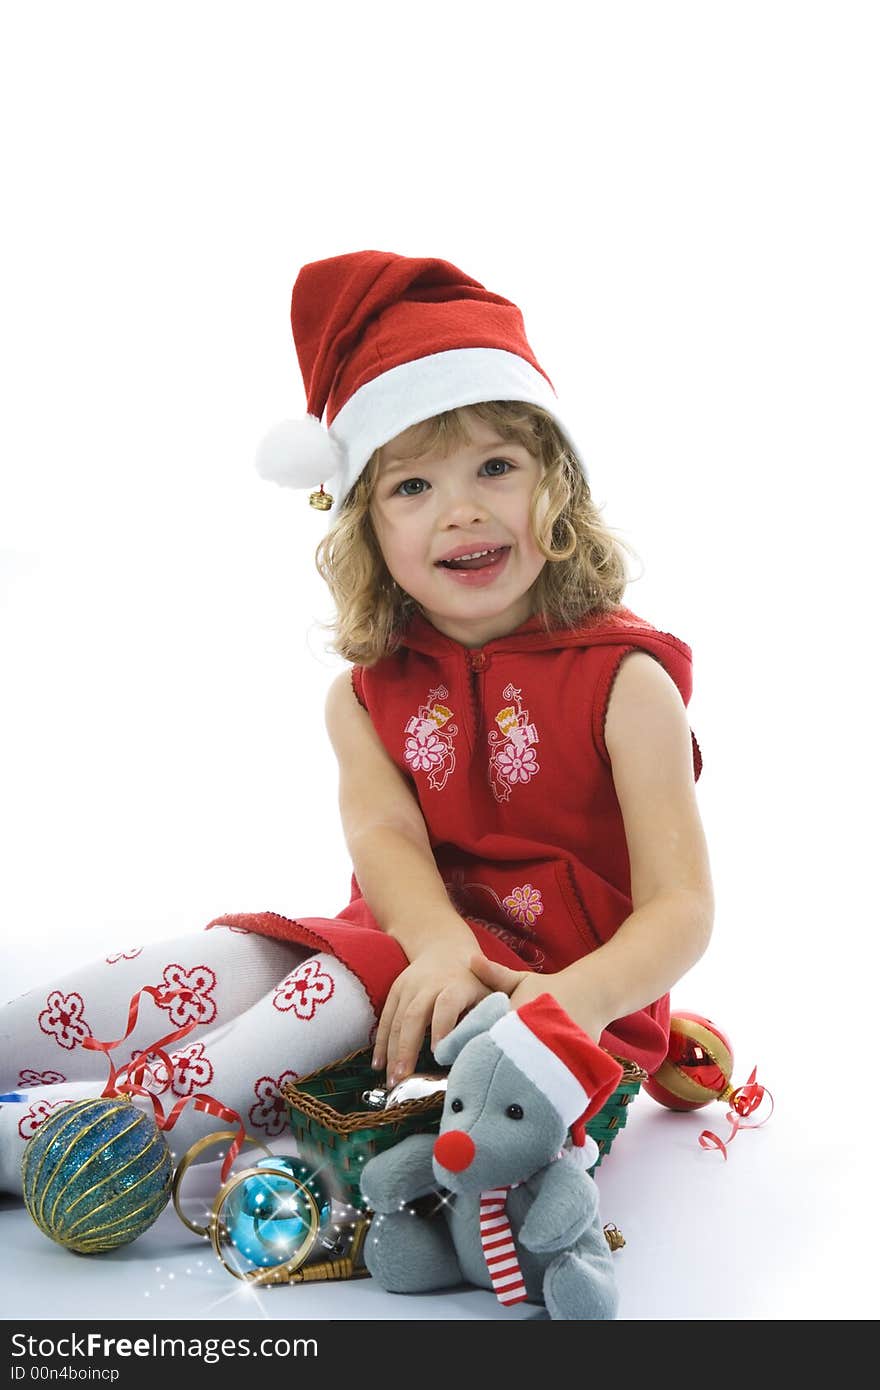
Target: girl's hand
[523,985]
[437,988]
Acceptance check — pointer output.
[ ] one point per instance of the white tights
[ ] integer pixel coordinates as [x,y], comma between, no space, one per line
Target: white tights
[266,1013]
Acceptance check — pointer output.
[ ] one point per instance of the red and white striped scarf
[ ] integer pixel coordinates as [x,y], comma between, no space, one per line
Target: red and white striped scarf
[498,1247]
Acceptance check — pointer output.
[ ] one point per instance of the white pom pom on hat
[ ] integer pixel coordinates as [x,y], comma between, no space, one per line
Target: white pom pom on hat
[299,453]
[385,342]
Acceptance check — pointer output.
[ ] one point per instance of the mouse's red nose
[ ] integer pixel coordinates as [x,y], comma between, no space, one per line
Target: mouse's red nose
[455,1150]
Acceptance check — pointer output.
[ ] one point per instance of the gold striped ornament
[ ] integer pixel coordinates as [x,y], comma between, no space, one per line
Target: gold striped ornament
[96,1174]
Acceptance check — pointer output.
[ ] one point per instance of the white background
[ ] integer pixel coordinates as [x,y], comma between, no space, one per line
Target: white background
[683,198]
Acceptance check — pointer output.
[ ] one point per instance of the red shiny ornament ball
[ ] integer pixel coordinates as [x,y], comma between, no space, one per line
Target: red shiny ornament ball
[698,1065]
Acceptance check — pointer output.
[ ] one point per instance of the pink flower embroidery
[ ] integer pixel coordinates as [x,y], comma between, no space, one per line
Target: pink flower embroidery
[130,954]
[38,1112]
[424,751]
[304,990]
[517,764]
[524,904]
[195,1003]
[29,1077]
[429,746]
[512,757]
[270,1111]
[63,1018]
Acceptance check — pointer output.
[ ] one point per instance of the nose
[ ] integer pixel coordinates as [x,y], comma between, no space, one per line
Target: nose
[455,1150]
[461,505]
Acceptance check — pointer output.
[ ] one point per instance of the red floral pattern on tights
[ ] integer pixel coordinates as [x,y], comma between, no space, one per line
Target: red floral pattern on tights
[191,1070]
[305,990]
[63,1019]
[270,1112]
[195,1004]
[30,1077]
[36,1114]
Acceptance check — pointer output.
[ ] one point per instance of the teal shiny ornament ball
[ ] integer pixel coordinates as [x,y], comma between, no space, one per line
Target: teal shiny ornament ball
[96,1174]
[268,1218]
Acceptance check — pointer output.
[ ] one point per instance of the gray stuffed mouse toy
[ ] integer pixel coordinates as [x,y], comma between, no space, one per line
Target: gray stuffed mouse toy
[517,1210]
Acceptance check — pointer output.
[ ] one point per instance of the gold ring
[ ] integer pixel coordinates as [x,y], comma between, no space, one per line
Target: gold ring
[190,1156]
[271,1273]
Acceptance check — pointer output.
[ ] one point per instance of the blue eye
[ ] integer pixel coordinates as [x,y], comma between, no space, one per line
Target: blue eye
[504,467]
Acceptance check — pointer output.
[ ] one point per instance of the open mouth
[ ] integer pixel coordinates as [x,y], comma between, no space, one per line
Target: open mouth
[477,560]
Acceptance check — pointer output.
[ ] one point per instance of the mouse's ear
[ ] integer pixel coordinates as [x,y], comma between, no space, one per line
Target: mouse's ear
[478,1020]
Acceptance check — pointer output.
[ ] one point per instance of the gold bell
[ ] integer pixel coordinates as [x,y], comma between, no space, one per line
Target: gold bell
[321,499]
[613,1236]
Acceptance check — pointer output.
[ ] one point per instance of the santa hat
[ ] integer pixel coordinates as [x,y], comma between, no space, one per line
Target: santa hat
[574,1073]
[385,342]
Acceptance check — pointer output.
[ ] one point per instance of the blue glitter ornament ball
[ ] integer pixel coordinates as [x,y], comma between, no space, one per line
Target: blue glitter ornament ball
[96,1174]
[267,1218]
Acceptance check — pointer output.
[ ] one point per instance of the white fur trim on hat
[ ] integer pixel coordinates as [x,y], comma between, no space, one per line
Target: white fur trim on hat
[418,390]
[302,453]
[542,1067]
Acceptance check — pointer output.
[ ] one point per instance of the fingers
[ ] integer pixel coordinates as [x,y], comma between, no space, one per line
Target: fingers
[449,1007]
[495,976]
[380,1046]
[421,995]
[400,1033]
[406,1037]
[406,1031]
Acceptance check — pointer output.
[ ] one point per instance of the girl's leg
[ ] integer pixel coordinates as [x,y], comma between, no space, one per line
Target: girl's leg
[317,1013]
[225,970]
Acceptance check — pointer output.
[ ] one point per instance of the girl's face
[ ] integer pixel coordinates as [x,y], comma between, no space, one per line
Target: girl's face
[439,507]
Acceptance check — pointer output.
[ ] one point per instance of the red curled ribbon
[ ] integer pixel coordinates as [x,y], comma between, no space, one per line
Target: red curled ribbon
[136,1068]
[743,1101]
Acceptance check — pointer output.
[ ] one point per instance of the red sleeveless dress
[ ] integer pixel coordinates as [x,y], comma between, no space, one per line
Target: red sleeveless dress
[504,747]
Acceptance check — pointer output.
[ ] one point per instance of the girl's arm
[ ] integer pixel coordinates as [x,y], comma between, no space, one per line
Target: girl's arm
[649,744]
[398,876]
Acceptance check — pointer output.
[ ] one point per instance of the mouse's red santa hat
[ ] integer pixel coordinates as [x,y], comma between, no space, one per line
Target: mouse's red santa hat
[575,1074]
[385,342]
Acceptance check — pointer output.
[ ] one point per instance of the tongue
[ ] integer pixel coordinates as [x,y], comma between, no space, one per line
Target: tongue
[479,563]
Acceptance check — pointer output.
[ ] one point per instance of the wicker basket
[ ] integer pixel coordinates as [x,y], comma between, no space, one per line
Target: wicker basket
[328,1122]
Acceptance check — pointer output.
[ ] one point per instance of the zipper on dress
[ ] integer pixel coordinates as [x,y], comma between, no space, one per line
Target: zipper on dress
[477,662]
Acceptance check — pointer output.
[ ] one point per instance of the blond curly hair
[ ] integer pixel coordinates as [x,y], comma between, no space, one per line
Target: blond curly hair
[585,571]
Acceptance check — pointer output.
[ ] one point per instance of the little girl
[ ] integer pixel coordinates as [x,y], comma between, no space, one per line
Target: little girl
[516,767]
